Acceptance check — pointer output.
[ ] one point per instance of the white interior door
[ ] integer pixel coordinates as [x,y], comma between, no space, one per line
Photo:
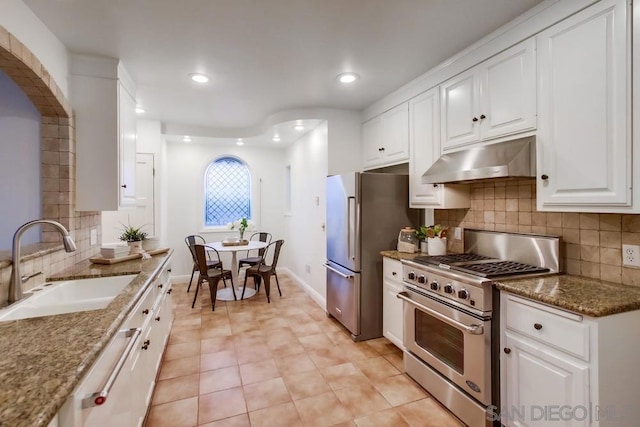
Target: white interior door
[145,212]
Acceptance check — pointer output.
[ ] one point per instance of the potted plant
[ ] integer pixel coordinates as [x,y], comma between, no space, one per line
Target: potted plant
[421,235]
[134,237]
[436,239]
[242,225]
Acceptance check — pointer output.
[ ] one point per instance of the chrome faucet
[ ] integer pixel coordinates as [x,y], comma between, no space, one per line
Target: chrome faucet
[15,285]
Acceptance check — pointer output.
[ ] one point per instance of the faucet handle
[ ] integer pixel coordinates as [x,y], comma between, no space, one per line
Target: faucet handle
[25,278]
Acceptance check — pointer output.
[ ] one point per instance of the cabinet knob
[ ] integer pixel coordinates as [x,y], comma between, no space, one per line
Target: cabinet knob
[145,311]
[435,185]
[145,345]
[158,319]
[381,149]
[544,176]
[169,291]
[394,273]
[160,285]
[124,186]
[507,350]
[482,117]
[538,326]
[475,119]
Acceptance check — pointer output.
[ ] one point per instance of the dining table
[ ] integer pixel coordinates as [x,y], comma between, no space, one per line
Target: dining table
[226,294]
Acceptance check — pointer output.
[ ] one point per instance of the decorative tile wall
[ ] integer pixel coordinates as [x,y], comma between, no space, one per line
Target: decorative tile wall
[592,243]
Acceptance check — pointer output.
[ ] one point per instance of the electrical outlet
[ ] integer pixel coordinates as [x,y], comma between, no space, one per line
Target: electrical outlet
[631,255]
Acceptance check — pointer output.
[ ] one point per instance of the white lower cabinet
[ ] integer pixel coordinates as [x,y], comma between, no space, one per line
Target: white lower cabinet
[126,369]
[559,368]
[392,306]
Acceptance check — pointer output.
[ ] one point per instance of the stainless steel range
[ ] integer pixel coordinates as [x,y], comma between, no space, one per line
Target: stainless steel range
[449,322]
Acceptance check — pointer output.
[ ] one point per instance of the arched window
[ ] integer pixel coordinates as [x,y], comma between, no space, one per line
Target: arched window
[227,192]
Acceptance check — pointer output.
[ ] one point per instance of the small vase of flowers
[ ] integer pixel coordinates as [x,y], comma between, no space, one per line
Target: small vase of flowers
[134,237]
[436,239]
[242,225]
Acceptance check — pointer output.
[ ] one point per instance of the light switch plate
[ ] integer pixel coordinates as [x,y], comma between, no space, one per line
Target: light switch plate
[457,233]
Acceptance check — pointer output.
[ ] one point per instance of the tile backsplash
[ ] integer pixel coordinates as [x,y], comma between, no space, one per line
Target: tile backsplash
[592,243]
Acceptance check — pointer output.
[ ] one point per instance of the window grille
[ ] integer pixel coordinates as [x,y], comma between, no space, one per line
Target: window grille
[227,192]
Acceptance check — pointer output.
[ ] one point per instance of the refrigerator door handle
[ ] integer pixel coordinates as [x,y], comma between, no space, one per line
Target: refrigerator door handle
[351,225]
[346,276]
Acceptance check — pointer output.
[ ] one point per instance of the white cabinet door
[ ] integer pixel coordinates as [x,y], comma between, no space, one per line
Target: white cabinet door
[372,142]
[395,134]
[424,146]
[127,147]
[508,92]
[385,138]
[460,104]
[392,320]
[584,143]
[539,378]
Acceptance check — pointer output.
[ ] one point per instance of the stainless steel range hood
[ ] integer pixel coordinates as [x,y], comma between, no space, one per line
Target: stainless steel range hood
[508,159]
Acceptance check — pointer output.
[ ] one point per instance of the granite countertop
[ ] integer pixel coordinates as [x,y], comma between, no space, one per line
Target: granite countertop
[582,295]
[400,255]
[44,358]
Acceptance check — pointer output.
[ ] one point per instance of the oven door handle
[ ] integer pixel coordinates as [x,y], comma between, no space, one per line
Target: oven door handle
[473,329]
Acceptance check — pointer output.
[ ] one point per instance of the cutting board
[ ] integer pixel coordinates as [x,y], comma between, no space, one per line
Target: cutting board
[109,261]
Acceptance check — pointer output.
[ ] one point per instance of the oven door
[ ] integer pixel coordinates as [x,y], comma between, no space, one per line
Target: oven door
[455,343]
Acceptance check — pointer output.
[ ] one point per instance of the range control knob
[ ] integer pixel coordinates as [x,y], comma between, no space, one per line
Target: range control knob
[463,294]
[434,286]
[422,279]
[411,275]
[448,289]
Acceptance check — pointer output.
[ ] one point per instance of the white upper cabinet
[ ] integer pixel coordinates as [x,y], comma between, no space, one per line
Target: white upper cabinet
[584,136]
[491,100]
[103,100]
[424,146]
[386,138]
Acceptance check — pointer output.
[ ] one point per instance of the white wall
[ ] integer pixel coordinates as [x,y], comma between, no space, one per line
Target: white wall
[305,237]
[148,140]
[19,20]
[345,142]
[184,178]
[19,163]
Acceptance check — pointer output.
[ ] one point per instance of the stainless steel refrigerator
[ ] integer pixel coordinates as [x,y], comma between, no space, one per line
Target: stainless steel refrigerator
[365,212]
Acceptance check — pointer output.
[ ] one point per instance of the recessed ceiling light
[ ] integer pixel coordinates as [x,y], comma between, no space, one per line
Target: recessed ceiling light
[298,127]
[347,77]
[186,138]
[239,142]
[276,138]
[139,109]
[199,78]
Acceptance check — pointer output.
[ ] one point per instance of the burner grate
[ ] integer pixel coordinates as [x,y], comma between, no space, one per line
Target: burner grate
[501,268]
[451,258]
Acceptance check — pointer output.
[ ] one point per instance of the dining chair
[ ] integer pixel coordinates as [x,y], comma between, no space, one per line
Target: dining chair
[196,239]
[255,260]
[211,275]
[263,272]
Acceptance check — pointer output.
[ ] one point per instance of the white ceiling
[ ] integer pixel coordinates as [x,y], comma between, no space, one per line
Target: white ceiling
[268,56]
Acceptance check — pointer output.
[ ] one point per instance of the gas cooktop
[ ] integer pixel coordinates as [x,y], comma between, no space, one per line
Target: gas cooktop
[480,265]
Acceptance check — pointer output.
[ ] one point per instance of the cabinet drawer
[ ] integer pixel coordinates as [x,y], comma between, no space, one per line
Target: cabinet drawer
[562,330]
[143,309]
[392,270]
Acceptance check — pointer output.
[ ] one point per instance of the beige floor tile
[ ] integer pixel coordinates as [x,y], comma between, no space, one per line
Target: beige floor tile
[348,424]
[328,356]
[340,337]
[182,350]
[175,389]
[265,394]
[287,350]
[237,421]
[362,400]
[219,379]
[376,368]
[382,345]
[180,413]
[176,337]
[315,342]
[217,344]
[305,329]
[284,415]
[258,371]
[252,353]
[427,413]
[386,418]
[396,360]
[294,364]
[221,359]
[221,404]
[273,323]
[357,351]
[306,384]
[345,375]
[322,410]
[399,389]
[179,367]
[218,331]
